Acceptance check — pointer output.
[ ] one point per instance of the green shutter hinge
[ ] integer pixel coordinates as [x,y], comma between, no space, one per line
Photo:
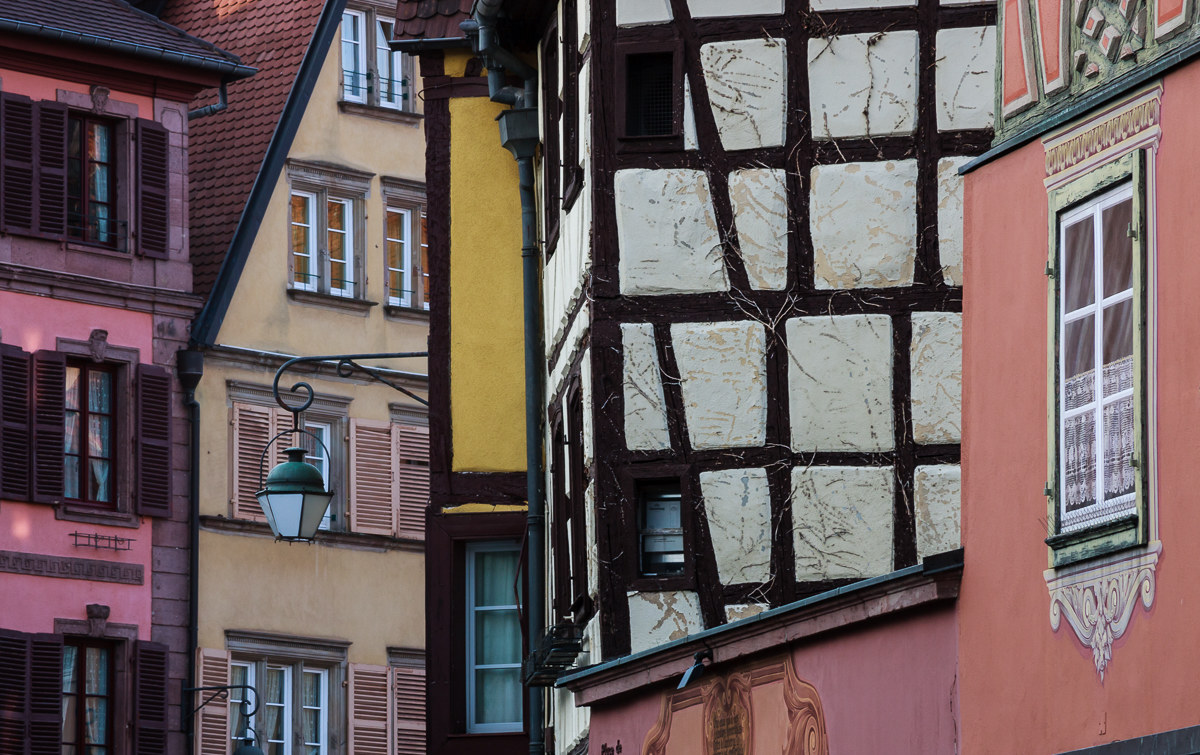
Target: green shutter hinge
[1049,270]
[1046,491]
[1130,232]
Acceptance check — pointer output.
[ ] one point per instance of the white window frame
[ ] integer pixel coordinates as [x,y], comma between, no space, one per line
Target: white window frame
[366,29]
[406,257]
[322,710]
[312,257]
[292,706]
[473,726]
[325,185]
[348,283]
[391,63]
[408,198]
[319,458]
[354,90]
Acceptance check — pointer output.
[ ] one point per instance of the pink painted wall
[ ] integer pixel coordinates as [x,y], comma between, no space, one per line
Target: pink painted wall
[29,603]
[1021,683]
[889,687]
[46,88]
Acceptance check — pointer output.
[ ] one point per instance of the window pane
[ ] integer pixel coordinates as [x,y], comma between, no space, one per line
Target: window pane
[497,637]
[498,696]
[100,392]
[1118,450]
[71,433]
[70,656]
[1079,285]
[495,574]
[70,715]
[1118,348]
[72,397]
[100,480]
[1118,248]
[98,141]
[71,477]
[1079,450]
[96,709]
[336,213]
[312,690]
[1079,368]
[96,667]
[100,436]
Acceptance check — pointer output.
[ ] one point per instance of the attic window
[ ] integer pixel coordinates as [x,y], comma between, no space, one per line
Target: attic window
[649,92]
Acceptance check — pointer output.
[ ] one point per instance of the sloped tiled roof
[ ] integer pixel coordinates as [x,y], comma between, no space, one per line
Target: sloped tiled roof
[114,24]
[226,150]
[431,19]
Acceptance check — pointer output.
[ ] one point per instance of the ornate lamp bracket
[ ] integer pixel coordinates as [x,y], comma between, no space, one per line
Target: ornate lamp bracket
[347,366]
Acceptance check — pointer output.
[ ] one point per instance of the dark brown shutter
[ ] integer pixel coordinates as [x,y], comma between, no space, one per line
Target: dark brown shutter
[16,163]
[153,189]
[52,169]
[150,699]
[45,694]
[49,390]
[15,456]
[153,442]
[14,691]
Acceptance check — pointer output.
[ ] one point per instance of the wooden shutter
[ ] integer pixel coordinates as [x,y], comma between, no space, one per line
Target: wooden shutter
[253,427]
[373,489]
[17,163]
[15,454]
[150,699]
[49,414]
[408,709]
[153,189]
[14,691]
[212,721]
[370,692]
[412,479]
[45,694]
[52,169]
[153,444]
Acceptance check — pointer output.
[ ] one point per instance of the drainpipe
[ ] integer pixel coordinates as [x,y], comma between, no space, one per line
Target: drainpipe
[519,135]
[189,366]
[216,107]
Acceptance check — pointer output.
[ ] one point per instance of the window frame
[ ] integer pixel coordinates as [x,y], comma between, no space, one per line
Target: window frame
[116,407]
[401,195]
[86,119]
[627,142]
[1068,544]
[81,644]
[326,185]
[472,550]
[632,480]
[371,24]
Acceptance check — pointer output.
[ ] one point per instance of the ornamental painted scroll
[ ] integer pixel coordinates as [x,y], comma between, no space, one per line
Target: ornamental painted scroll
[716,717]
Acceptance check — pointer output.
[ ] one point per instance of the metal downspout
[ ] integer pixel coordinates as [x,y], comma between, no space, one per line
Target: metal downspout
[189,366]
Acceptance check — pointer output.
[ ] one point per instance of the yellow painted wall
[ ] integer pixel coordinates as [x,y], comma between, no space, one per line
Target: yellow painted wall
[487,367]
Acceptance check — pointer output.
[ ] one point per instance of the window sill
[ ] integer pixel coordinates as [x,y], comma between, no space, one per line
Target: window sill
[74,512]
[406,314]
[325,537]
[107,251]
[1072,547]
[381,113]
[360,307]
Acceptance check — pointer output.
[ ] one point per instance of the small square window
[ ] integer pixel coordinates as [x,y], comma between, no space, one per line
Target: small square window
[650,108]
[660,530]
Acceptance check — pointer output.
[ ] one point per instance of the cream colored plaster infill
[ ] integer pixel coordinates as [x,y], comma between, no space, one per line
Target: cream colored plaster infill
[739,611]
[964,80]
[656,618]
[937,491]
[645,406]
[667,233]
[935,359]
[747,89]
[710,8]
[842,522]
[690,140]
[827,5]
[737,503]
[950,219]
[863,85]
[639,12]
[760,212]
[863,218]
[723,378]
[840,383]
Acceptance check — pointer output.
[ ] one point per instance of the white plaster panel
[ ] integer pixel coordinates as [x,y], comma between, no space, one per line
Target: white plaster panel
[690,140]
[964,79]
[863,218]
[826,5]
[738,611]
[639,12]
[710,8]
[667,232]
[937,492]
[723,378]
[842,521]
[840,383]
[747,90]
[936,363]
[656,618]
[950,219]
[760,213]
[863,84]
[737,503]
[645,406]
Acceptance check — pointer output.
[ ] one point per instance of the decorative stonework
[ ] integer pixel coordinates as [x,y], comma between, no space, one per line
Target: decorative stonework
[66,567]
[1100,600]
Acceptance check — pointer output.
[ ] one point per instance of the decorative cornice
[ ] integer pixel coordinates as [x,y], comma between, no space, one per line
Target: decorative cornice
[1099,599]
[90,290]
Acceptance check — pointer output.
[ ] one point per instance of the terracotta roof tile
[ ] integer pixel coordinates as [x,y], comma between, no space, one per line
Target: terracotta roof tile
[431,19]
[227,149]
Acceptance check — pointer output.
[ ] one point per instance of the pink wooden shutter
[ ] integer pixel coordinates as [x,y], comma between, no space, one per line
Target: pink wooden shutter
[17,160]
[252,428]
[153,189]
[14,690]
[369,708]
[280,421]
[153,446]
[408,709]
[15,433]
[373,491]
[52,169]
[212,721]
[412,473]
[45,694]
[150,699]
[49,416]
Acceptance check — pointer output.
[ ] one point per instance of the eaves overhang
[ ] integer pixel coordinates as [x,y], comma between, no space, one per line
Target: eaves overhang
[934,581]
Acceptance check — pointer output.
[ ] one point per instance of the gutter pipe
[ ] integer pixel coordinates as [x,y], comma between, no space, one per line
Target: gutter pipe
[216,107]
[519,135]
[189,366]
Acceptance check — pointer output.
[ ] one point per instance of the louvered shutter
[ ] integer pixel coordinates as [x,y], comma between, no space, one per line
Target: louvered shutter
[52,169]
[49,414]
[150,699]
[408,709]
[14,691]
[253,427]
[412,479]
[153,444]
[45,694]
[212,721]
[153,189]
[15,455]
[370,692]
[373,490]
[17,197]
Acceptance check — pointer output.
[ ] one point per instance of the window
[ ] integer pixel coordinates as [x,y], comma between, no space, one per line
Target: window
[407,255]
[495,699]
[371,73]
[650,108]
[569,480]
[660,530]
[91,180]
[325,229]
[89,446]
[318,455]
[87,692]
[1099,463]
[286,713]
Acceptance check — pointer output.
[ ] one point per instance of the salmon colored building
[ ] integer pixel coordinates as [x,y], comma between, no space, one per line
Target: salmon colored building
[1077,613]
